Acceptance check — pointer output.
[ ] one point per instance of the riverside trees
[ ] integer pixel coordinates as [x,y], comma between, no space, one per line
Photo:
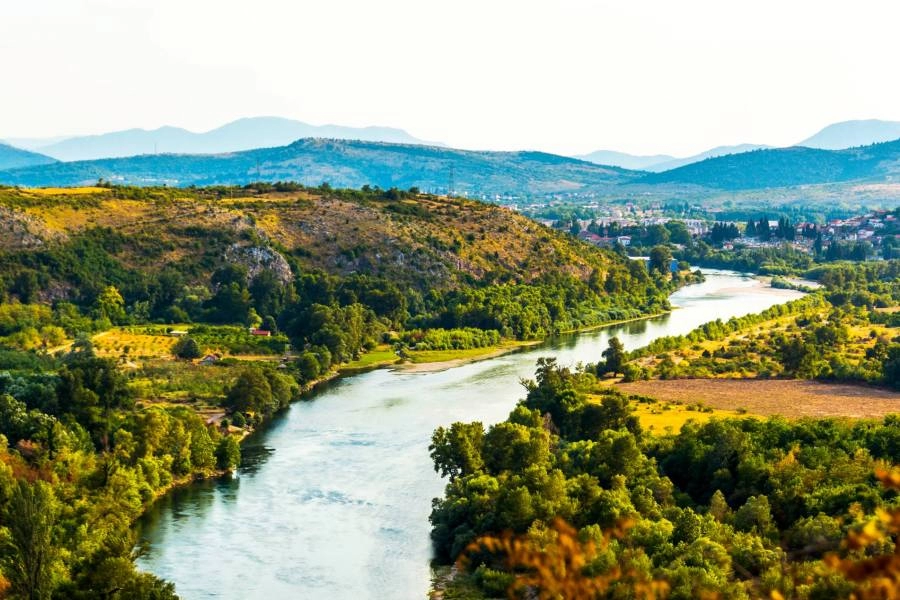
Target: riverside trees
[740,507]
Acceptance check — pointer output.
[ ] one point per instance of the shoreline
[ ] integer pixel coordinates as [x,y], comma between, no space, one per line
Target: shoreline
[442,365]
[309,388]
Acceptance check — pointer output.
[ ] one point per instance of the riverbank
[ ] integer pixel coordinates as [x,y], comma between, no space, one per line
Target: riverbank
[345,483]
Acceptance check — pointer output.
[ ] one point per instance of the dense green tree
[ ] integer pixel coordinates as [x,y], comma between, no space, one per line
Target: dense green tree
[90,390]
[28,546]
[268,293]
[228,453]
[657,235]
[251,392]
[456,451]
[187,348]
[891,367]
[678,232]
[614,356]
[661,260]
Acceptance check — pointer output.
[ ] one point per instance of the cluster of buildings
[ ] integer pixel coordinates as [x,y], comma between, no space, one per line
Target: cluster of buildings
[870,227]
[604,241]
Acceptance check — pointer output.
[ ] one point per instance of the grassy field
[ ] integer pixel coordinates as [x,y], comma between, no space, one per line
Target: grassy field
[663,417]
[786,397]
[180,382]
[72,191]
[453,357]
[381,356]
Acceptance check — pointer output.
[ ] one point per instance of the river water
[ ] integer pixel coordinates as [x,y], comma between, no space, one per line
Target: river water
[333,498]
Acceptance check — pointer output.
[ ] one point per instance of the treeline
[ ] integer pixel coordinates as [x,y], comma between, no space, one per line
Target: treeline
[450,339]
[736,508]
[870,285]
[78,465]
[764,261]
[717,330]
[818,343]
[784,230]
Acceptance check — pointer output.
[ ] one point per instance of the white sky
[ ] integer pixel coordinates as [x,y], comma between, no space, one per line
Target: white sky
[568,76]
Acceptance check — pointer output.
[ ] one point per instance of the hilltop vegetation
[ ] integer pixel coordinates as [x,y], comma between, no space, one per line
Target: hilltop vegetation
[407,258]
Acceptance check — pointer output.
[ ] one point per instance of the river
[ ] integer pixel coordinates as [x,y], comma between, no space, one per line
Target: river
[333,498]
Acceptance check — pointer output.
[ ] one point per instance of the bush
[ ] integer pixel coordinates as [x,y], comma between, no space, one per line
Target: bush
[186,348]
[228,453]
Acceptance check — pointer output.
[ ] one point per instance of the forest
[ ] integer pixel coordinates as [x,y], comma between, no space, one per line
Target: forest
[733,508]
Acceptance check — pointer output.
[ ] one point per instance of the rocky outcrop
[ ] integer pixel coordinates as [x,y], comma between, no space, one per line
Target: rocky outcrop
[258,259]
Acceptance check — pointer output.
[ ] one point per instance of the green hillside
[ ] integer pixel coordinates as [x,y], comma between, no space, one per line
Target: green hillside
[784,167]
[341,163]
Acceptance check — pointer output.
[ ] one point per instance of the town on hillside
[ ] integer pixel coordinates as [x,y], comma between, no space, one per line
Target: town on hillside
[869,236]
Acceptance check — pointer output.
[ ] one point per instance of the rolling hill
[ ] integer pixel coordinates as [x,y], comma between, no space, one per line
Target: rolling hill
[13,158]
[342,163]
[416,240]
[849,134]
[785,167]
[243,134]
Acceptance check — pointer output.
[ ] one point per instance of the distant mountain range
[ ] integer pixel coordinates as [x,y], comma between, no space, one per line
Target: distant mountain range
[657,163]
[837,136]
[637,162]
[13,158]
[243,134]
[342,163]
[354,163]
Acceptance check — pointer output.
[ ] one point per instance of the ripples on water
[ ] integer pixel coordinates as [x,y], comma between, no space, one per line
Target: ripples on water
[332,498]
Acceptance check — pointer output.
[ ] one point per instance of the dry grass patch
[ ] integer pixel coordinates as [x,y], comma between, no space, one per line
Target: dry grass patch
[663,417]
[116,343]
[73,191]
[786,397]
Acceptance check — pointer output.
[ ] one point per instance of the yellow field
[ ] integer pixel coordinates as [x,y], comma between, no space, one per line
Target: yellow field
[665,417]
[117,342]
[74,191]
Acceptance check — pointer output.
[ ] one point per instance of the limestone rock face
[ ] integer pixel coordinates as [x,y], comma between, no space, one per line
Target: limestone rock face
[258,259]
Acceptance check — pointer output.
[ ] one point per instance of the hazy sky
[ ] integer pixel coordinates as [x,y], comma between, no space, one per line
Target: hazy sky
[559,75]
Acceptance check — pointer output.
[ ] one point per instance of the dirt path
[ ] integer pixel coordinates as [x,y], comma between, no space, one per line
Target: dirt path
[790,398]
